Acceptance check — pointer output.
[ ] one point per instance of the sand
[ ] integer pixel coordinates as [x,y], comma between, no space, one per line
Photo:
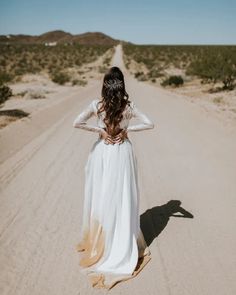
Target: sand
[189,156]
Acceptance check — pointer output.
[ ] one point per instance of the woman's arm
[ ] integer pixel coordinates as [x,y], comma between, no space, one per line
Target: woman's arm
[81,120]
[145,124]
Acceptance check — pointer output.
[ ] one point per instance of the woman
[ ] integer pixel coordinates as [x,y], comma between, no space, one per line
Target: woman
[112,246]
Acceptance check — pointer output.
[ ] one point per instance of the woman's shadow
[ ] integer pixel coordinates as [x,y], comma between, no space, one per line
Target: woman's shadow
[154,220]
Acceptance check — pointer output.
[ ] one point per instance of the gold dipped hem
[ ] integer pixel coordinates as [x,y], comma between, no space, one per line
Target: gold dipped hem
[108,281]
[92,249]
[92,244]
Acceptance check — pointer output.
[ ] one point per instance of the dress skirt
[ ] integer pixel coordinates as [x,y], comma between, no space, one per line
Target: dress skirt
[112,245]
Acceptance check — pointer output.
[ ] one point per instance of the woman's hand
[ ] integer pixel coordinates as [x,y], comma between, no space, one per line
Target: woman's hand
[119,138]
[107,138]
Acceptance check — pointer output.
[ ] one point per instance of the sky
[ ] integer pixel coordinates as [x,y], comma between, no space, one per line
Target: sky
[136,21]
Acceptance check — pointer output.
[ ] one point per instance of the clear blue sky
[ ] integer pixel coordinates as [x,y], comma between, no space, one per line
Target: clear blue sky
[140,22]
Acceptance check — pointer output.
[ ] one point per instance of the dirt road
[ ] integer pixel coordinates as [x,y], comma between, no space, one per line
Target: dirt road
[189,157]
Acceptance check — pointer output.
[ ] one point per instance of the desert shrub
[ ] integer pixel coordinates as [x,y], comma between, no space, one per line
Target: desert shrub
[19,71]
[140,76]
[215,89]
[78,62]
[127,64]
[5,77]
[173,80]
[102,69]
[60,77]
[5,93]
[107,61]
[22,93]
[155,73]
[34,94]
[79,82]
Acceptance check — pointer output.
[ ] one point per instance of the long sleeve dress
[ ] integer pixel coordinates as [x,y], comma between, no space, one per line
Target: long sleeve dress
[112,245]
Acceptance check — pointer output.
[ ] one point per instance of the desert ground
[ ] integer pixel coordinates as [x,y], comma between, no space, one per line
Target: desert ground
[188,159]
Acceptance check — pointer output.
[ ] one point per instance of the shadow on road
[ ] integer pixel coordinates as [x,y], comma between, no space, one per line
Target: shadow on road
[154,220]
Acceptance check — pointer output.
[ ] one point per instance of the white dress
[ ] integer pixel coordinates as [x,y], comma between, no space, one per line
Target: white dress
[112,245]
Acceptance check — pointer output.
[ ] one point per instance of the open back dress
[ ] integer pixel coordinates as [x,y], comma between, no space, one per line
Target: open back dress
[112,245]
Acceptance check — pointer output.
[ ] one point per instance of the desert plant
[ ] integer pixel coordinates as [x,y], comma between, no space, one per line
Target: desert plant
[173,80]
[154,73]
[79,82]
[5,77]
[35,94]
[140,76]
[60,77]
[107,61]
[102,69]
[5,93]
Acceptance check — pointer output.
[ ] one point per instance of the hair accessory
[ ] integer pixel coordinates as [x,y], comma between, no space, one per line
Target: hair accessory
[113,84]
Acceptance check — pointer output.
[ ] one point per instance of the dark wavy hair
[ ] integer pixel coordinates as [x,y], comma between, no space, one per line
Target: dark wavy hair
[114,99]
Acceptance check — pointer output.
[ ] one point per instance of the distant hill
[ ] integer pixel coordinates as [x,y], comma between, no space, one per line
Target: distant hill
[60,37]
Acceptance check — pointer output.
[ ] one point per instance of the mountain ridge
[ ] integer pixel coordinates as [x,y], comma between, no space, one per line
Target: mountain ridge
[61,37]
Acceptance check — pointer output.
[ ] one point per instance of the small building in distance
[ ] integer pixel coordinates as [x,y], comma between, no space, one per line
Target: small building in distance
[50,43]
